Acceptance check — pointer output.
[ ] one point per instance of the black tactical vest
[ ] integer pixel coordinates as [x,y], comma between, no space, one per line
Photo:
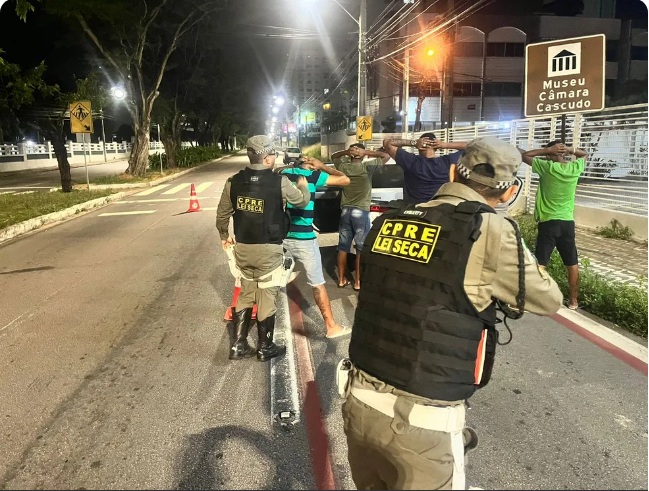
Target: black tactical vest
[414,326]
[259,216]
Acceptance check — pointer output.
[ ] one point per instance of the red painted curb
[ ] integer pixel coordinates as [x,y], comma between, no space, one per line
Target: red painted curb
[618,353]
[312,410]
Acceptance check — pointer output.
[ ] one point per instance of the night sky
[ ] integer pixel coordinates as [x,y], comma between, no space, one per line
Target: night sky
[46,38]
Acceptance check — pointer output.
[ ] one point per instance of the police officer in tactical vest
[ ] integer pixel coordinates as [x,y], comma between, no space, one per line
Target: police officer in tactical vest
[256,197]
[423,339]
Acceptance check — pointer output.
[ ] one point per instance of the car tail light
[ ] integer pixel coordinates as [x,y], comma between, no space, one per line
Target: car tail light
[378,209]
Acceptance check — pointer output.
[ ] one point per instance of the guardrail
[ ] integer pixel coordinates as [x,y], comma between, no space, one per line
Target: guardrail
[22,156]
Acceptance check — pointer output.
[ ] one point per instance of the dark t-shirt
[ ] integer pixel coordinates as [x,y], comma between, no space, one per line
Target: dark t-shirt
[422,177]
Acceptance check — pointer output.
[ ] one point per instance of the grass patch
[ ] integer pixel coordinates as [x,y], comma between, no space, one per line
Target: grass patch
[130,178]
[16,208]
[313,151]
[623,304]
[615,231]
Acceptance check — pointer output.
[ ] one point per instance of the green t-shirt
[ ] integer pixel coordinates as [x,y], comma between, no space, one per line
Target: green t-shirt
[555,197]
[359,191]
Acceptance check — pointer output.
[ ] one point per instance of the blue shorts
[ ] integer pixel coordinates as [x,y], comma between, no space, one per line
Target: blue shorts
[354,225]
[307,253]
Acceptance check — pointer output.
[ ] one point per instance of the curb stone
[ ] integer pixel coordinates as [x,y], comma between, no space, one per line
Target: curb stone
[34,223]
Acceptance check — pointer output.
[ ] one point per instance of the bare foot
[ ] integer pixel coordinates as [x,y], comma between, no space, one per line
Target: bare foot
[338,330]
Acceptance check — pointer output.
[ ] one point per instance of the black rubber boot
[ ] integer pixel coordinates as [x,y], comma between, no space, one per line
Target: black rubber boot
[240,347]
[266,349]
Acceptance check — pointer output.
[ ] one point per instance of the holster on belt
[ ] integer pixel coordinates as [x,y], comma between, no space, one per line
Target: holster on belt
[278,277]
[344,375]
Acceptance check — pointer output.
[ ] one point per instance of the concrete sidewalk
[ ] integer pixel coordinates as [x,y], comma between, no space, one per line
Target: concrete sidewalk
[617,259]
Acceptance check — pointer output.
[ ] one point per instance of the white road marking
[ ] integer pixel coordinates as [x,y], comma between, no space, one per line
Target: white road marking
[152,190]
[283,370]
[178,188]
[203,186]
[127,213]
[158,200]
[209,208]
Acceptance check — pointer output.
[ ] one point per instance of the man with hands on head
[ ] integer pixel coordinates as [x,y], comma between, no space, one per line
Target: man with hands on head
[555,205]
[301,241]
[355,203]
[423,173]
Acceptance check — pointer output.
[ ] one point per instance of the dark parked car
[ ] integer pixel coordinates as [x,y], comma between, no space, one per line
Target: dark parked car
[387,185]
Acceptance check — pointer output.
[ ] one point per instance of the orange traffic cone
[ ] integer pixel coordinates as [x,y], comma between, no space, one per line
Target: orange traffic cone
[193,201]
[235,296]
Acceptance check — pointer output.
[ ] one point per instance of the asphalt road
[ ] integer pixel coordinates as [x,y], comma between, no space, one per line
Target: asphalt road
[114,370]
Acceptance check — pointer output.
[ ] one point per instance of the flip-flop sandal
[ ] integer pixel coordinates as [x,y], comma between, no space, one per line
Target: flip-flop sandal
[345,330]
[357,289]
[572,307]
[343,285]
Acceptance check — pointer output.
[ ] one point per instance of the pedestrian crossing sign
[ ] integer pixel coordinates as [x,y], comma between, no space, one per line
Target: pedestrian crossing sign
[81,117]
[364,128]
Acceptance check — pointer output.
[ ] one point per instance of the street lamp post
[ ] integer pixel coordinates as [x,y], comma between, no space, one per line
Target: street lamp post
[103,132]
[362,72]
[362,78]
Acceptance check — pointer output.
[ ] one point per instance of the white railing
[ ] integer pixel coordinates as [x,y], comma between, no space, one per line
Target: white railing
[616,140]
[40,155]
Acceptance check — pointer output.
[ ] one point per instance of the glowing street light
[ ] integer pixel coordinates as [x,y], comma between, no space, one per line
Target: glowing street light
[118,93]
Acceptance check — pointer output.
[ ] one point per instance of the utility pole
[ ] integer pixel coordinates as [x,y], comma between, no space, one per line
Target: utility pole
[299,120]
[103,133]
[362,72]
[447,83]
[405,127]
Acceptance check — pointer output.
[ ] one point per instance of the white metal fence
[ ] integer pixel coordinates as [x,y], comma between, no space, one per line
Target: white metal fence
[616,140]
[41,155]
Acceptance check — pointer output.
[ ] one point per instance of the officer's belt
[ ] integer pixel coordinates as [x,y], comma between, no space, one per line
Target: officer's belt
[448,419]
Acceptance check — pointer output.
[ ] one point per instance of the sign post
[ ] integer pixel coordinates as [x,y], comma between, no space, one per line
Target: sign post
[81,122]
[364,128]
[565,76]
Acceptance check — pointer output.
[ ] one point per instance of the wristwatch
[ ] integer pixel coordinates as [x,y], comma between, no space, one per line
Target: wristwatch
[413,143]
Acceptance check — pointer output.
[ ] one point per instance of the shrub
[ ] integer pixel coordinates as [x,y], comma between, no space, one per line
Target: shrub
[623,304]
[313,151]
[186,157]
[615,231]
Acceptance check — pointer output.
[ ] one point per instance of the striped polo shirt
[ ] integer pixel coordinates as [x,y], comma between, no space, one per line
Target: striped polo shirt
[302,219]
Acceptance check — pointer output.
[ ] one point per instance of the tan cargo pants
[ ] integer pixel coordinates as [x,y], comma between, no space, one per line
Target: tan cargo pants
[389,453]
[255,261]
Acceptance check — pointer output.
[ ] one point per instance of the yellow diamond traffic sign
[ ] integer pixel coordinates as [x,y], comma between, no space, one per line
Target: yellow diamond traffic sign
[364,128]
[81,117]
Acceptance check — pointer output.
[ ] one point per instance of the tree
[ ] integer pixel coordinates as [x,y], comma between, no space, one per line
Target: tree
[23,7]
[52,115]
[18,89]
[137,40]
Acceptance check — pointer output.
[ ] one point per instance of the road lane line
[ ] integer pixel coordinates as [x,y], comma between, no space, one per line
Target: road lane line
[177,189]
[158,200]
[284,396]
[152,190]
[203,186]
[143,212]
[315,425]
[619,346]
